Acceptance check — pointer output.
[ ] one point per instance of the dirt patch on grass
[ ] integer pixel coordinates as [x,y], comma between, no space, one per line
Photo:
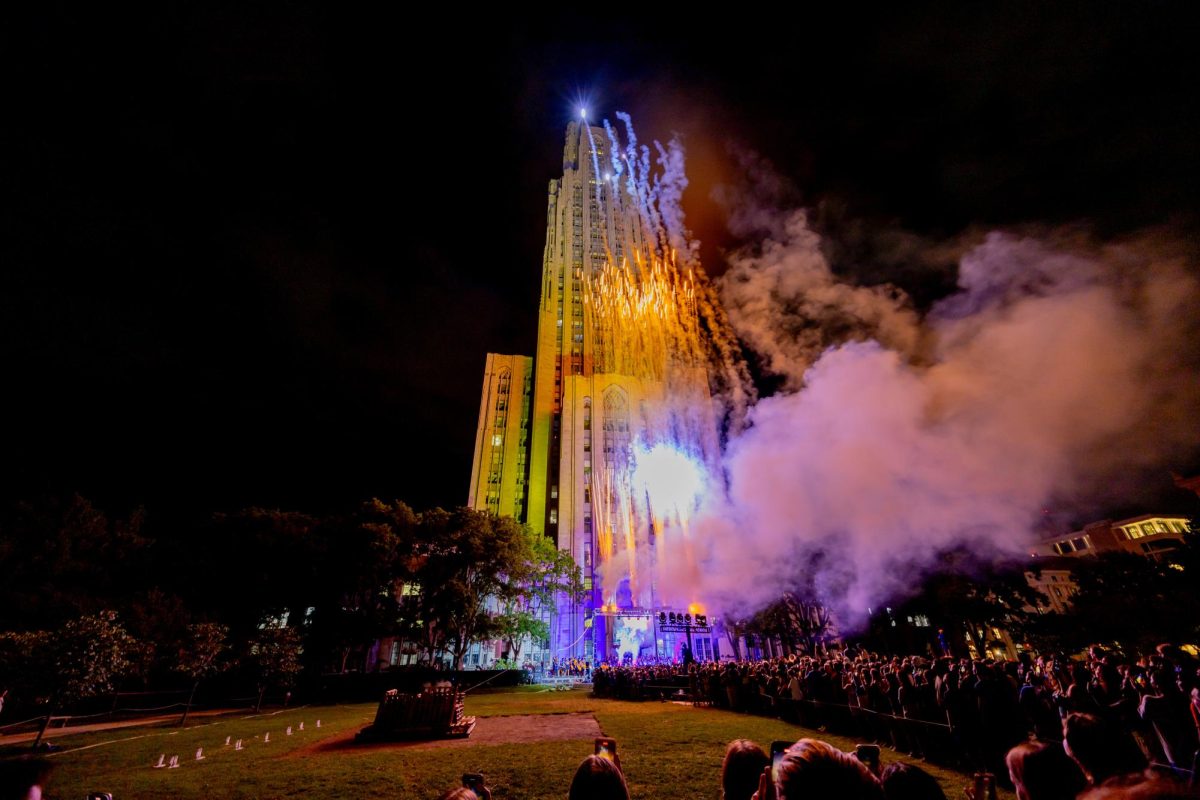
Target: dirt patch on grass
[520,729]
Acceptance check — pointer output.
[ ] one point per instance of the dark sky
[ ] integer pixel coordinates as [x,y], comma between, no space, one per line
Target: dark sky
[257,257]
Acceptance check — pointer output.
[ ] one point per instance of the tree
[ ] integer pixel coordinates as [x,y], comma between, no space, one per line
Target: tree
[517,625]
[734,631]
[1133,602]
[62,558]
[273,557]
[83,659]
[473,570]
[535,585]
[812,622]
[159,621]
[199,656]
[469,556]
[366,561]
[274,655]
[795,622]
[968,596]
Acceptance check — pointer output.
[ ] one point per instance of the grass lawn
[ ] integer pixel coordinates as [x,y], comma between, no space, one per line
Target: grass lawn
[667,751]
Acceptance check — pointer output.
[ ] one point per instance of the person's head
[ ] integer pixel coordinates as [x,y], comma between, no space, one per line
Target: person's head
[1044,772]
[1140,787]
[1163,681]
[744,763]
[811,769]
[907,782]
[23,779]
[461,793]
[598,779]
[1099,748]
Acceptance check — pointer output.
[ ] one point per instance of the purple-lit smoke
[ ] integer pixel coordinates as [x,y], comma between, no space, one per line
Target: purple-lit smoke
[1058,366]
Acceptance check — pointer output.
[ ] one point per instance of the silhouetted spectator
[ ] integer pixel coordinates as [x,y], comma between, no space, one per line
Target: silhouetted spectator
[1044,772]
[461,793]
[744,762]
[1140,787]
[813,769]
[1166,710]
[1038,707]
[598,779]
[23,779]
[1101,749]
[907,782]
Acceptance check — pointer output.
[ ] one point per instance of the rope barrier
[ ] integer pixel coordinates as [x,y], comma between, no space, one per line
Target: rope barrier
[481,683]
[83,716]
[66,720]
[159,708]
[822,703]
[22,722]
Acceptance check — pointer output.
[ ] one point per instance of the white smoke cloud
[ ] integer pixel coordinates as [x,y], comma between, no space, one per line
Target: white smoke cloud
[789,306]
[1059,365]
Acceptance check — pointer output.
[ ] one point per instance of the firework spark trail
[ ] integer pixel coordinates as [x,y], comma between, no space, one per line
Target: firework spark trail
[670,185]
[595,160]
[652,318]
[614,150]
[639,177]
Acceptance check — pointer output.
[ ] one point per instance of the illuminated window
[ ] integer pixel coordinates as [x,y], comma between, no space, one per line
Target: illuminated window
[497,440]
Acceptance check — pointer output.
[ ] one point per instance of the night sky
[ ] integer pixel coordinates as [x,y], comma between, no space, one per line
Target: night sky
[257,258]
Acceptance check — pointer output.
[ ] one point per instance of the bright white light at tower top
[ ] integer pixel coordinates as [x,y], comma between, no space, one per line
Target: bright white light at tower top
[583,113]
[672,479]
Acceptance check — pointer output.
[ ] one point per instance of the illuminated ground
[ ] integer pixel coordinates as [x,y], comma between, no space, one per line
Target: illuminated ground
[668,751]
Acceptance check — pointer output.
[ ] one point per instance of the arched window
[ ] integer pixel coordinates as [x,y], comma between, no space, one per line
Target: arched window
[616,429]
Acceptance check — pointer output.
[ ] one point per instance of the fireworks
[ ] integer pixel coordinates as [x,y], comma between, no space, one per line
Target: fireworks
[645,316]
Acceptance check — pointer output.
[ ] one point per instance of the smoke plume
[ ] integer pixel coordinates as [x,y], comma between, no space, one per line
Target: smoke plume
[1060,364]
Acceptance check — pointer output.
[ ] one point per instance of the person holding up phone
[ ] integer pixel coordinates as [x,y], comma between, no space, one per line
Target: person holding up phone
[599,776]
[811,768]
[473,788]
[869,755]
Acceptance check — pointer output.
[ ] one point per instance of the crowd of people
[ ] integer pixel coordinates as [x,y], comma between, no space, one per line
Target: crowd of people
[569,667]
[1101,727]
[1081,767]
[1096,728]
[966,712]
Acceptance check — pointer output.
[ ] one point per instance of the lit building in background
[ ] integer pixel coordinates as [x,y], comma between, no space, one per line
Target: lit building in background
[500,471]
[1054,577]
[1146,535]
[576,442]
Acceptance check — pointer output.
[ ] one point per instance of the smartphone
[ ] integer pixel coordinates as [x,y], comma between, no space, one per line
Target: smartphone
[869,755]
[606,748]
[473,781]
[777,750]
